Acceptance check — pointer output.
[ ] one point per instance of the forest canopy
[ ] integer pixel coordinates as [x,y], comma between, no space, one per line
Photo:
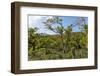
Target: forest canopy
[62,43]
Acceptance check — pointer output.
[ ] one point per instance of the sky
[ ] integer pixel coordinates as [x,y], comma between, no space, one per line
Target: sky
[37,21]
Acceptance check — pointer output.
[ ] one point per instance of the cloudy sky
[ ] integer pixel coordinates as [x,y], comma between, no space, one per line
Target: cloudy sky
[37,21]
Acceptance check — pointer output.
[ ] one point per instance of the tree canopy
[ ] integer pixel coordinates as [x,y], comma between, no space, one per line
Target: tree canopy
[65,44]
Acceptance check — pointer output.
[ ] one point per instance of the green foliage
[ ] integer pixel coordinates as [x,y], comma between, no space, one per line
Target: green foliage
[65,44]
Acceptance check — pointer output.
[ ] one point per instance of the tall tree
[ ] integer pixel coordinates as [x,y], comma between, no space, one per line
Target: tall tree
[55,24]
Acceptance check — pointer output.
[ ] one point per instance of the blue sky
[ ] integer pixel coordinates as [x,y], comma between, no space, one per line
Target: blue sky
[68,20]
[37,21]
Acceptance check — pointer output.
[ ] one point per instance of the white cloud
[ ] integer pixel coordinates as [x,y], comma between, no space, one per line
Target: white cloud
[37,21]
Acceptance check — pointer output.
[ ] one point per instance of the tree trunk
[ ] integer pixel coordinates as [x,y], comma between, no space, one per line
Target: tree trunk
[73,53]
[62,44]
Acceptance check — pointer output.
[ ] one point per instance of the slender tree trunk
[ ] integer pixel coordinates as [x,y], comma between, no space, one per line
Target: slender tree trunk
[62,44]
[73,52]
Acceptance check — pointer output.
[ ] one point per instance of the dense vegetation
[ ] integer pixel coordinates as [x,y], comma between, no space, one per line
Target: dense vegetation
[65,44]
